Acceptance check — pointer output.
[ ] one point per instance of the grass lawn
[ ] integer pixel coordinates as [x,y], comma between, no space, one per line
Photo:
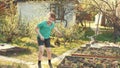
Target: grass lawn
[56,50]
[6,64]
[32,57]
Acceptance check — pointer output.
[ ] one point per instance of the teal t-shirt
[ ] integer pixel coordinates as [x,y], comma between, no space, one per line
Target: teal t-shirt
[45,29]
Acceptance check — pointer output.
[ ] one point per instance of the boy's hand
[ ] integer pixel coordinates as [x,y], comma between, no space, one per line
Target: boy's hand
[42,38]
[60,35]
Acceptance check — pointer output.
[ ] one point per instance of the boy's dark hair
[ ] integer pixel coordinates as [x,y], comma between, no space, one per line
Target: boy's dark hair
[52,14]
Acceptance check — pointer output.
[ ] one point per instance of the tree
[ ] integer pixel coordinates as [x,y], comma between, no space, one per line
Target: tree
[108,8]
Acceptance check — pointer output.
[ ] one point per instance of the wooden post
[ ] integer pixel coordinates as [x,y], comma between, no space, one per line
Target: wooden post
[97,26]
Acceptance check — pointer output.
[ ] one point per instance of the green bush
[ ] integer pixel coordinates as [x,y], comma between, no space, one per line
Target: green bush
[87,33]
[11,26]
[75,33]
[12,29]
[107,36]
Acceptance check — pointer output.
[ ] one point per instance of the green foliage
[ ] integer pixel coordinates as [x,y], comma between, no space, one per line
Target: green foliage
[89,32]
[106,36]
[12,29]
[11,26]
[75,33]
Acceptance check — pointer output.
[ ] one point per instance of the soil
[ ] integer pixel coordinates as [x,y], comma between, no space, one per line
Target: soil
[91,57]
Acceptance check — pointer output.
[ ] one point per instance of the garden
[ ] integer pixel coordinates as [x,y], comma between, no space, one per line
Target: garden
[90,33]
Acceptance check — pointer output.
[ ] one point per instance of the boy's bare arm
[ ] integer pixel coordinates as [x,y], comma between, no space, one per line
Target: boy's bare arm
[37,31]
[56,29]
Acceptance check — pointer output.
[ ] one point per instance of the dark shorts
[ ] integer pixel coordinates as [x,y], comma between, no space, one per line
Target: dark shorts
[46,42]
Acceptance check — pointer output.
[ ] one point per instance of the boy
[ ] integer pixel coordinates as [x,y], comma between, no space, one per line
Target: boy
[43,30]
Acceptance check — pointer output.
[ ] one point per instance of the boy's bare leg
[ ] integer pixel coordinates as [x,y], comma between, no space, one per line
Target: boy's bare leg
[40,55]
[41,52]
[48,50]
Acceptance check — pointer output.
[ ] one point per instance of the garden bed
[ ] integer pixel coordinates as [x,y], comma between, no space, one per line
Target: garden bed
[88,62]
[93,56]
[8,50]
[102,50]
